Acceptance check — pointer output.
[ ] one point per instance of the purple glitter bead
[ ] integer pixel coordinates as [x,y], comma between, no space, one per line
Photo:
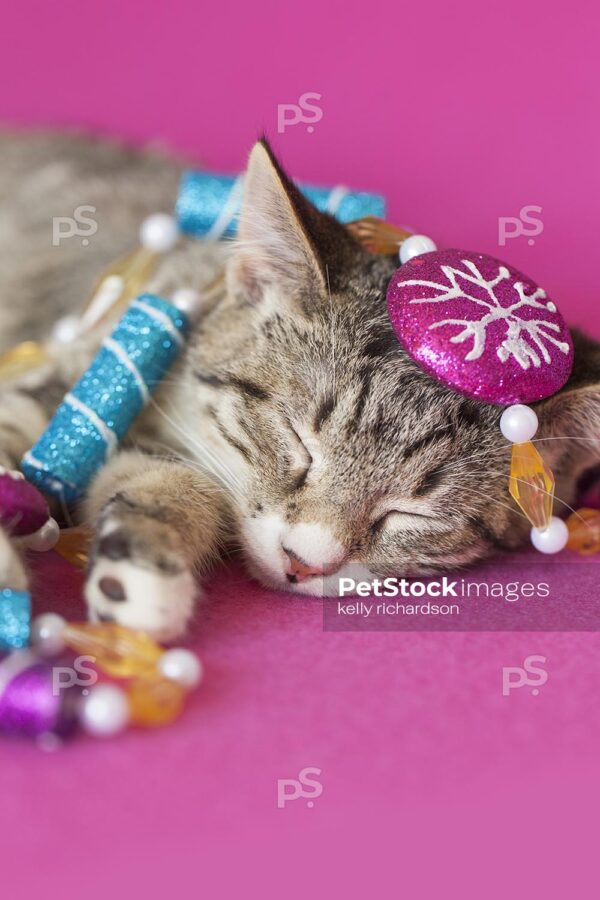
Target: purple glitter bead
[27,705]
[31,706]
[480,327]
[23,510]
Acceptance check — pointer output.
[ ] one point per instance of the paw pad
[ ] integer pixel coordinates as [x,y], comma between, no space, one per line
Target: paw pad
[113,589]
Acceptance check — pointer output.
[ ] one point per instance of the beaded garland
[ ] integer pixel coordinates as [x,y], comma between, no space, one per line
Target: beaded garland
[490,333]
[23,510]
[208,204]
[25,516]
[148,685]
[97,413]
[15,614]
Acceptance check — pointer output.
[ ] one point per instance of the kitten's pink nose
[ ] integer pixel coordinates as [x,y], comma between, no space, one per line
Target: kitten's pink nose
[297,570]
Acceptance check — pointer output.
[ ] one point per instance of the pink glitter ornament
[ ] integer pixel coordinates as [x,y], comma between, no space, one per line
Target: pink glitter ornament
[480,327]
[23,510]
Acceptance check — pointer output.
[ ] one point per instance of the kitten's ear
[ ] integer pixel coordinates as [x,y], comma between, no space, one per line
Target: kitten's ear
[273,244]
[574,413]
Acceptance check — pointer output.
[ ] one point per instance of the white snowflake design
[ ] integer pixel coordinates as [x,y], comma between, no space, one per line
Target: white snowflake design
[525,352]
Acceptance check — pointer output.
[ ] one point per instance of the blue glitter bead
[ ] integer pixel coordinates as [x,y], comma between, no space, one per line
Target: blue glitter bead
[97,414]
[67,456]
[208,205]
[15,619]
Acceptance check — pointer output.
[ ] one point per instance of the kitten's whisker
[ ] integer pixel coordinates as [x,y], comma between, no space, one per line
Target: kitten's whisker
[566,437]
[227,478]
[207,468]
[485,453]
[456,465]
[571,509]
[173,456]
[332,332]
[207,452]
[484,496]
[481,454]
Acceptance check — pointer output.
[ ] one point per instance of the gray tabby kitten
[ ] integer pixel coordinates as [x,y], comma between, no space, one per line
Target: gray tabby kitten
[295,428]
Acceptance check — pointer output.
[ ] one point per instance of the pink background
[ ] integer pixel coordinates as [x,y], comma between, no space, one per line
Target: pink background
[434,783]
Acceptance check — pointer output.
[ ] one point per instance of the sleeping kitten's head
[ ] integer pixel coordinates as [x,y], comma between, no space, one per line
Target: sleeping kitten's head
[336,447]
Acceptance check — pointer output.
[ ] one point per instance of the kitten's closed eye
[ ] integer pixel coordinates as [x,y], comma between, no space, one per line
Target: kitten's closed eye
[398,518]
[302,459]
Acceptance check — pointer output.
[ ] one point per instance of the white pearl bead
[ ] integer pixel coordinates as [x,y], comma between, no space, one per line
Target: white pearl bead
[44,539]
[415,245]
[188,301]
[66,330]
[47,634]
[518,423]
[159,233]
[105,710]
[182,666]
[552,539]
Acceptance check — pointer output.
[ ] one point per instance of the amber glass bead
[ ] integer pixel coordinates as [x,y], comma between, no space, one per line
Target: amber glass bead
[584,531]
[22,359]
[531,484]
[118,284]
[74,546]
[118,651]
[376,235]
[155,700]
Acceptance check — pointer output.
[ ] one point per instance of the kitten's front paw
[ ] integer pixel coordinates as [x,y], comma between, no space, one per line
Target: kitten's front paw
[138,577]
